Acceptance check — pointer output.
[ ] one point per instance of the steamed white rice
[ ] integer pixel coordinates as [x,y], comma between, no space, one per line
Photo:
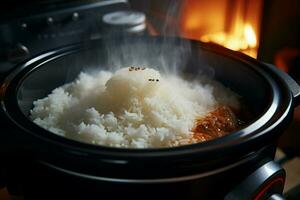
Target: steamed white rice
[133,108]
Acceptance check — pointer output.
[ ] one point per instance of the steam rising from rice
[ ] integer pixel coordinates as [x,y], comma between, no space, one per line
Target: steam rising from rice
[132,107]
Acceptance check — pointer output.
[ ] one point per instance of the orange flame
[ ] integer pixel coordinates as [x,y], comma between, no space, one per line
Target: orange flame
[245,42]
[233,26]
[250,35]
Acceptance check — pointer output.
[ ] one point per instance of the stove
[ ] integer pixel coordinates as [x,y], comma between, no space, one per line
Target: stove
[36,26]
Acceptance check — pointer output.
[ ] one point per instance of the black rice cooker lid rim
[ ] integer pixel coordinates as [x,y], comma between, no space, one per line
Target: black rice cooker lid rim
[230,140]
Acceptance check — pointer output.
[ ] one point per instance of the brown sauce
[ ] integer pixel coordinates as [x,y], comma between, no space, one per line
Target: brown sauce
[215,124]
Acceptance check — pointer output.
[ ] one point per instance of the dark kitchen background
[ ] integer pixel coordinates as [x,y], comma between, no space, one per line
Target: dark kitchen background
[268,30]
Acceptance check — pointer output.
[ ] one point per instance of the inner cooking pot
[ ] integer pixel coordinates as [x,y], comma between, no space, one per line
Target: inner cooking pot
[264,91]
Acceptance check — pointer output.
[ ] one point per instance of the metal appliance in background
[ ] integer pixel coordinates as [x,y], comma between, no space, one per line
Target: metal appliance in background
[29,28]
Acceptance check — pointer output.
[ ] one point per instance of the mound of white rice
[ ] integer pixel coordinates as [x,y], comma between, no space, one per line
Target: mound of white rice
[133,107]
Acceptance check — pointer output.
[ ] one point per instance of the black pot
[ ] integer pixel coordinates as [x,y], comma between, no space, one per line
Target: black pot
[41,163]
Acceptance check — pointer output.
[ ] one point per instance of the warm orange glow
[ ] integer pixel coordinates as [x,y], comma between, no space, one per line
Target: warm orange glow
[250,35]
[232,25]
[198,17]
[226,40]
[193,21]
[240,41]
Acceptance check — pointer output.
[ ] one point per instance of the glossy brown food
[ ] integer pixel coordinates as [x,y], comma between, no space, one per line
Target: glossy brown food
[216,124]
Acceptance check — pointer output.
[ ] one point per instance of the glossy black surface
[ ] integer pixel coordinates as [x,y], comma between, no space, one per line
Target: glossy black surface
[29,28]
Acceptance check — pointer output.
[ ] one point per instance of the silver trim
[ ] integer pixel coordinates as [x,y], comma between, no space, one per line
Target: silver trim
[149,181]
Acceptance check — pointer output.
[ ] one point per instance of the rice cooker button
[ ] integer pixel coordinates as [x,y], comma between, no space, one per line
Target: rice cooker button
[50,20]
[23,26]
[75,16]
